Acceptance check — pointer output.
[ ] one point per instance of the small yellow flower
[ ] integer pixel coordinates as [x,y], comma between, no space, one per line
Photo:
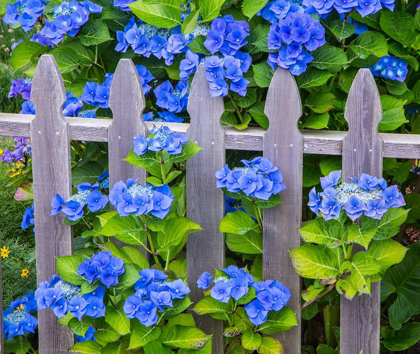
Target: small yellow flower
[5,252]
[19,308]
[25,273]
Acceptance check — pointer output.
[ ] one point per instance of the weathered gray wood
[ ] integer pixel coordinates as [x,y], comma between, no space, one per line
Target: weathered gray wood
[362,153]
[51,175]
[205,203]
[283,145]
[323,142]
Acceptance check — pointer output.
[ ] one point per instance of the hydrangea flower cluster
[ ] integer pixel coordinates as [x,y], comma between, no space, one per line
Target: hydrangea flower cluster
[17,319]
[68,18]
[160,139]
[28,218]
[167,117]
[366,195]
[153,293]
[72,106]
[259,179]
[22,87]
[26,12]
[132,198]
[73,206]
[391,68]
[278,10]
[98,95]
[20,151]
[293,37]
[173,100]
[363,7]
[63,297]
[102,266]
[271,295]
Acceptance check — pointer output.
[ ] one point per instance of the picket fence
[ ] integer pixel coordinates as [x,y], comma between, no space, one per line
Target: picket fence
[362,149]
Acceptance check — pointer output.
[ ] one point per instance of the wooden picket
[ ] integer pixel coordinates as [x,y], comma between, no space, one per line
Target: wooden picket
[362,149]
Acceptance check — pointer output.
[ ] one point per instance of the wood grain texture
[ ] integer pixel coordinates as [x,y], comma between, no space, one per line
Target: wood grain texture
[362,153]
[51,175]
[283,145]
[315,141]
[205,203]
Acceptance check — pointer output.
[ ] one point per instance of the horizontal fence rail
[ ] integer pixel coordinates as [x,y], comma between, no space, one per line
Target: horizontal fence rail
[320,142]
[362,149]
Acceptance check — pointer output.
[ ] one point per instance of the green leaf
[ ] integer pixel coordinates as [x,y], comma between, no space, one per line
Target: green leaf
[317,121]
[251,340]
[164,13]
[89,172]
[248,100]
[251,7]
[271,346]
[157,347]
[251,295]
[189,150]
[129,277]
[331,59]
[209,9]
[87,347]
[80,327]
[67,268]
[184,337]
[344,287]
[403,282]
[387,253]
[320,102]
[361,235]
[148,161]
[396,87]
[402,339]
[128,254]
[183,319]
[237,223]
[94,33]
[330,164]
[25,52]
[105,333]
[279,321]
[263,74]
[197,45]
[413,202]
[315,262]
[389,225]
[324,349]
[117,318]
[208,305]
[399,26]
[257,112]
[369,43]
[178,306]
[174,232]
[115,348]
[342,29]
[190,22]
[248,243]
[393,113]
[322,232]
[141,335]
[18,345]
[313,77]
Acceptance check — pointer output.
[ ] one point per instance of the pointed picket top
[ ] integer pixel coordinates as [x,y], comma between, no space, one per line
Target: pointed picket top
[201,104]
[127,104]
[283,145]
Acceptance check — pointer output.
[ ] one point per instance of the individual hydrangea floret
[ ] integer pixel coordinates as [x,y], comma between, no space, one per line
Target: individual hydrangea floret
[153,293]
[63,297]
[132,198]
[160,139]
[259,179]
[390,68]
[17,319]
[292,38]
[87,195]
[102,266]
[367,195]
[28,218]
[235,283]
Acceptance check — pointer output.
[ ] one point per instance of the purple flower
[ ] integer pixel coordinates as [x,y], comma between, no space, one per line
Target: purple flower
[354,207]
[221,291]
[204,281]
[146,313]
[393,197]
[256,312]
[77,307]
[330,208]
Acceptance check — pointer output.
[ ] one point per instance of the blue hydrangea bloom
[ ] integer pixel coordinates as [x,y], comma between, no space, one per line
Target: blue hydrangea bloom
[28,218]
[278,10]
[204,281]
[21,87]
[89,335]
[390,68]
[363,7]
[26,12]
[367,195]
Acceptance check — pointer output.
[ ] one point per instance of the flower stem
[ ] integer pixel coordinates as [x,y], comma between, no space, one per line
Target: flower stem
[316,298]
[162,167]
[349,252]
[149,237]
[257,215]
[238,111]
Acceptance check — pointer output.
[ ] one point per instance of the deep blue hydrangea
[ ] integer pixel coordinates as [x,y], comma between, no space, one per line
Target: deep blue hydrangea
[132,198]
[363,7]
[87,195]
[28,218]
[259,179]
[68,18]
[17,319]
[278,10]
[89,335]
[390,68]
[165,117]
[367,195]
[160,139]
[292,38]
[170,99]
[102,266]
[21,87]
[98,95]
[63,297]
[72,106]
[21,151]
[235,283]
[153,293]
[25,12]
